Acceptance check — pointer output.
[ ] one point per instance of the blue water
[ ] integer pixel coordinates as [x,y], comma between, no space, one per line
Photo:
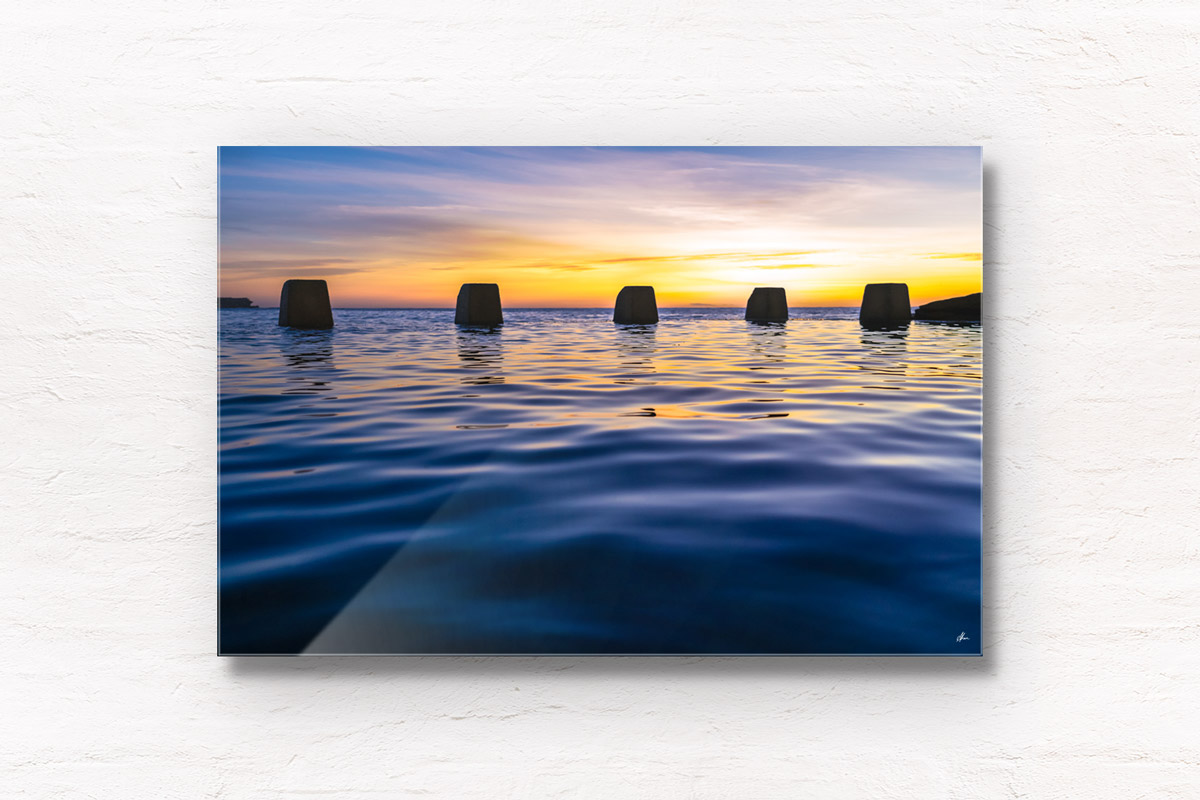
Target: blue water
[565,485]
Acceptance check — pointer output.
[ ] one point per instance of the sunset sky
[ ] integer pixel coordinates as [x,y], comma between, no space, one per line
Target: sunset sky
[569,226]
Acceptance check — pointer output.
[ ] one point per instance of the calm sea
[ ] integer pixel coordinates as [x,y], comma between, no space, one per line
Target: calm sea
[565,485]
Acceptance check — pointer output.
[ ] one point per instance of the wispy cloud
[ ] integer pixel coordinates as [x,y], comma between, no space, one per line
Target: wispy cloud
[293,266]
[956,256]
[740,256]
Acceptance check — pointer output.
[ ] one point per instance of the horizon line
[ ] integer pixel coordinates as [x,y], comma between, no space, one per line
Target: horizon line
[517,308]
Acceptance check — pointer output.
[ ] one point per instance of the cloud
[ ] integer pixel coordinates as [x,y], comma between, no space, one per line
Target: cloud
[291,266]
[711,256]
[956,256]
[547,265]
[553,266]
[790,266]
[376,213]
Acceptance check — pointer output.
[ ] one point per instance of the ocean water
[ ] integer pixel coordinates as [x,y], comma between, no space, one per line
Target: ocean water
[564,485]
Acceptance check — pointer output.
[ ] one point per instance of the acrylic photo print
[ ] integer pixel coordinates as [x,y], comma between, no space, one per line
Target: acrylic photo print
[600,400]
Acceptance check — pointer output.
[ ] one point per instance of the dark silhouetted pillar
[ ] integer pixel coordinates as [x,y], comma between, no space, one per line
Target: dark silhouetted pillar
[636,306]
[885,305]
[305,304]
[478,304]
[767,304]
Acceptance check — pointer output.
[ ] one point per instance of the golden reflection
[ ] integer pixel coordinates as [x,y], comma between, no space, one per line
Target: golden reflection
[480,352]
[885,353]
[636,346]
[309,357]
[680,412]
[768,341]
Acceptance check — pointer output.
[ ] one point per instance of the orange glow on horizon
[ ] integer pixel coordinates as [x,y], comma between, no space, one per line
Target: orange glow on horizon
[700,283]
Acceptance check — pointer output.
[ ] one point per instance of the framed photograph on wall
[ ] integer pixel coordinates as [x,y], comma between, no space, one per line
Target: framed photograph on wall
[600,400]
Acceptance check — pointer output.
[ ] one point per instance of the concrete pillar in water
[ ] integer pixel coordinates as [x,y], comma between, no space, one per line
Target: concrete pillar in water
[885,305]
[305,304]
[478,304]
[767,304]
[636,306]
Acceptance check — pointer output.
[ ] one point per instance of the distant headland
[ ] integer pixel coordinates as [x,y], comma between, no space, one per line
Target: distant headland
[956,309]
[235,302]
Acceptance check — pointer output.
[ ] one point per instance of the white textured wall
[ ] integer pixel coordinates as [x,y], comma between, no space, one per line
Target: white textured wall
[110,115]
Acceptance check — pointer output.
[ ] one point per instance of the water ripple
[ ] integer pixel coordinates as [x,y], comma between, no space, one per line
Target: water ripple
[562,484]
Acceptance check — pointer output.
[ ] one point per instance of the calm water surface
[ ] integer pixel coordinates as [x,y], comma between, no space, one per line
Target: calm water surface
[565,485]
